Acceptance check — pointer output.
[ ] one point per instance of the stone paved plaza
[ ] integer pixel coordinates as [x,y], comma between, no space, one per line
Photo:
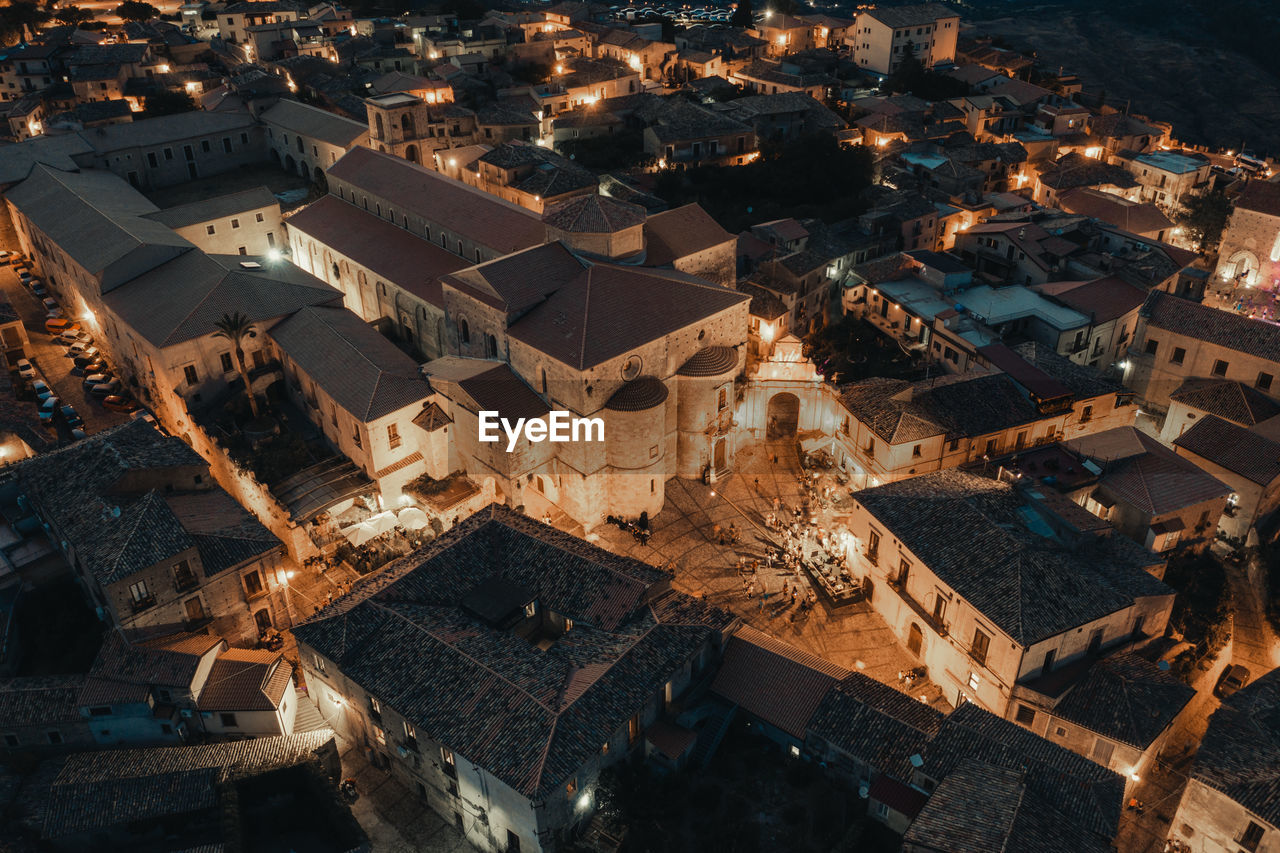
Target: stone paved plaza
[853,636]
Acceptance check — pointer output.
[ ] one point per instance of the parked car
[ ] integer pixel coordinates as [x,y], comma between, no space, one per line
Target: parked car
[1233,678]
[71,416]
[77,434]
[51,305]
[47,408]
[38,288]
[143,415]
[82,348]
[7,257]
[106,389]
[26,369]
[58,325]
[41,388]
[90,363]
[72,336]
[118,403]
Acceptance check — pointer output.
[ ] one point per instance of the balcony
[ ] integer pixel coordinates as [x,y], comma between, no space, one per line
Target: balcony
[939,626]
[144,603]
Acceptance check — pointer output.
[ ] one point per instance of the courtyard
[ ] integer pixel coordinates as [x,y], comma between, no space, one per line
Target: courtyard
[686,541]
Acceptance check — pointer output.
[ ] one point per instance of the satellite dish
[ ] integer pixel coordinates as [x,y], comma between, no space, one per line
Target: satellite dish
[864,791]
[1163,666]
[916,760]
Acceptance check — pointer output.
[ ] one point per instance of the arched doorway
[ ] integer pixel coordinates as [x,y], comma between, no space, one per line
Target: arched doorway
[915,639]
[275,156]
[411,153]
[1241,268]
[783,415]
[290,163]
[547,487]
[719,456]
[317,174]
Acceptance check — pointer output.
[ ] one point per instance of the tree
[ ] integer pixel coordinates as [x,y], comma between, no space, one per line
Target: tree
[235,328]
[16,15]
[164,102]
[744,15]
[137,11]
[1204,217]
[72,16]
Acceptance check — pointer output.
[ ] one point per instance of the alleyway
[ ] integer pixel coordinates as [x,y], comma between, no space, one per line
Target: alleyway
[853,636]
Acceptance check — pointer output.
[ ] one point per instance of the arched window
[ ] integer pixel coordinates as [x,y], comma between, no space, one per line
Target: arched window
[411,153]
[464,331]
[378,121]
[490,346]
[406,125]
[299,141]
[337,273]
[544,380]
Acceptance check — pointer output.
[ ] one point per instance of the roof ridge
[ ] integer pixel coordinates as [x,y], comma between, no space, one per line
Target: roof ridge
[586,312]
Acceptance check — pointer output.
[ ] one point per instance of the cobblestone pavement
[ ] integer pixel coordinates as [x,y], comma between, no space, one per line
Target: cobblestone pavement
[853,636]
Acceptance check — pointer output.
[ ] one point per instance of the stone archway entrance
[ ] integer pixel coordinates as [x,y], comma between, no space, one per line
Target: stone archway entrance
[783,415]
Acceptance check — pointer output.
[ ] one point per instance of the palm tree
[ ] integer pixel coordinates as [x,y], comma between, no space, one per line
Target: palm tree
[236,327]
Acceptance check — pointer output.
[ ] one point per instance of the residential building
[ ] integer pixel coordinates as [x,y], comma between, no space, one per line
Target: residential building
[1247,460]
[681,133]
[156,544]
[1236,402]
[892,429]
[1167,178]
[1076,171]
[113,798]
[415,128]
[1118,712]
[1111,303]
[235,20]
[948,601]
[1177,339]
[41,713]
[358,388]
[494,614]
[1229,802]
[881,37]
[1015,252]
[1142,218]
[1127,478]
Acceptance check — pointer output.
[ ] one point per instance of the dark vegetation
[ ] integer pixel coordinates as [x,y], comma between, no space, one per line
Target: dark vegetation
[1202,610]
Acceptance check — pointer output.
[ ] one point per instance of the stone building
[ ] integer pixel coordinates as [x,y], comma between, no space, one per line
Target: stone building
[1249,255]
[571,652]
[307,140]
[1230,801]
[942,551]
[156,544]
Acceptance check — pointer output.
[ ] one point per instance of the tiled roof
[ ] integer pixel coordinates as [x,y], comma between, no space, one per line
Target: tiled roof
[1138,217]
[181,299]
[1126,698]
[911,16]
[674,120]
[40,700]
[1240,753]
[1030,586]
[390,253]
[773,680]
[124,673]
[1230,400]
[1254,457]
[246,680]
[314,123]
[362,371]
[432,418]
[1088,796]
[710,361]
[465,211]
[638,395]
[1082,381]
[532,718]
[980,807]
[594,214]
[98,219]
[490,385]
[1260,197]
[89,492]
[1101,300]
[1222,328]
[675,234]
[875,723]
[1077,170]
[1145,474]
[217,207]
[96,790]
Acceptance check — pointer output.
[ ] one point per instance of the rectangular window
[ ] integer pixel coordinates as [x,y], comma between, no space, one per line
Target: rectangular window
[1026,715]
[204,145]
[227,366]
[235,223]
[1152,346]
[319,662]
[189,373]
[873,547]
[208,229]
[1179,354]
[1251,837]
[1085,414]
[258,217]
[139,592]
[183,577]
[226,144]
[393,435]
[410,732]
[152,159]
[1263,382]
[1219,368]
[904,572]
[168,153]
[915,452]
[1102,750]
[380,736]
[228,721]
[253,583]
[981,643]
[939,609]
